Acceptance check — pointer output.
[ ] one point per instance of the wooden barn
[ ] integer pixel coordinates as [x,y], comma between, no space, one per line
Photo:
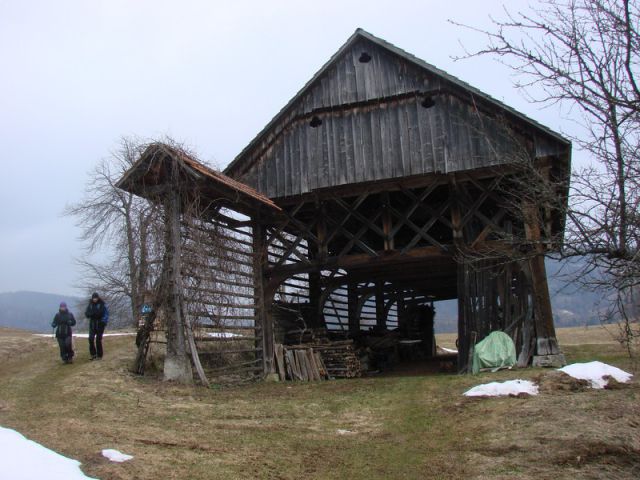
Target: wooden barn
[383,186]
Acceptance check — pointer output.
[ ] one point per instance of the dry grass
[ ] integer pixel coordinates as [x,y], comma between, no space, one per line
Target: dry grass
[399,427]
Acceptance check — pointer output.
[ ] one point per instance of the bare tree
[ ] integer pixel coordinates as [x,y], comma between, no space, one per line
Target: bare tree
[584,55]
[122,224]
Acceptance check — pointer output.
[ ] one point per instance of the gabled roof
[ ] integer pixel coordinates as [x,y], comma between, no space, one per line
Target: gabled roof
[427,67]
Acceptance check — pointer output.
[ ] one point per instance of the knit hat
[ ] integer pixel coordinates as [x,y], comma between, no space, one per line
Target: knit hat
[95,295]
[63,305]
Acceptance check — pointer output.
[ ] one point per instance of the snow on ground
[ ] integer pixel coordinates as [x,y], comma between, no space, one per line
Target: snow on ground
[23,459]
[115,455]
[595,372]
[499,389]
[223,334]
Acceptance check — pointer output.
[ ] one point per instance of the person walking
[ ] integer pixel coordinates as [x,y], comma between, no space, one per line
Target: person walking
[98,315]
[62,322]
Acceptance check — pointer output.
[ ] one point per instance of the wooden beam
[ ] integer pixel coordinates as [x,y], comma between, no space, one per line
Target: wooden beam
[263,321]
[352,292]
[387,223]
[177,366]
[546,342]
[381,317]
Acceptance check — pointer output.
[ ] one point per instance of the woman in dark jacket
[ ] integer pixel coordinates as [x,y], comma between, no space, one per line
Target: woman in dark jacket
[62,322]
[98,315]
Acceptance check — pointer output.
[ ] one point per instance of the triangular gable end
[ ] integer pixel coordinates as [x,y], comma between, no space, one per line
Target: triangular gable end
[365,73]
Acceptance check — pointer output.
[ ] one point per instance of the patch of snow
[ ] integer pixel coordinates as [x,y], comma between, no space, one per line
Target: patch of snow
[344,432]
[223,334]
[595,372]
[24,459]
[448,350]
[115,455]
[499,389]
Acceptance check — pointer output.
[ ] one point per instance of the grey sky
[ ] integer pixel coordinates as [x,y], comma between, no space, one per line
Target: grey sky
[76,75]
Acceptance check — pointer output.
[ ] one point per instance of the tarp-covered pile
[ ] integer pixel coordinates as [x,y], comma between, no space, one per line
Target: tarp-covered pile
[496,351]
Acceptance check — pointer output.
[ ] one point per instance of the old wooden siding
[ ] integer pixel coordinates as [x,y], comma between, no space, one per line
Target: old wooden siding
[384,132]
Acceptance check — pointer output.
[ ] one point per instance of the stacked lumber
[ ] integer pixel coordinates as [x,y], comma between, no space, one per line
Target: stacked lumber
[299,363]
[318,361]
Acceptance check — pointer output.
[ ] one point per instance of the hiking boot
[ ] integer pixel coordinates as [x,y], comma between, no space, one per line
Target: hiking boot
[93,357]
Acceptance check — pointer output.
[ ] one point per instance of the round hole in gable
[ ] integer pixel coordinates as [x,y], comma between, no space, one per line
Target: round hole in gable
[315,122]
[428,102]
[364,57]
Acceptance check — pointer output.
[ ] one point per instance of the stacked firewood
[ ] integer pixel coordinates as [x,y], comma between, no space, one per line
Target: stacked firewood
[340,359]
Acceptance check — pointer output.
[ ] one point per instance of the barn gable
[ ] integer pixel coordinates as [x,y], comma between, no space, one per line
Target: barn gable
[375,112]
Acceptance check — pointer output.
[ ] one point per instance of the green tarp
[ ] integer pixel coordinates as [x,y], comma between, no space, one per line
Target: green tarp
[495,351]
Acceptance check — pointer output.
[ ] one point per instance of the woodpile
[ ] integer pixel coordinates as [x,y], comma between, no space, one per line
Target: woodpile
[317,361]
[340,359]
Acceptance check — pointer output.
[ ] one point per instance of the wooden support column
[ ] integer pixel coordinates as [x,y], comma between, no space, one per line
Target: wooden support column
[546,343]
[456,216]
[381,319]
[463,330]
[462,290]
[352,306]
[315,293]
[177,366]
[264,296]
[321,232]
[387,223]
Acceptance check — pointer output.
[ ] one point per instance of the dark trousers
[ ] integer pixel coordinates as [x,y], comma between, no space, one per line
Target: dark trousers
[66,348]
[96,330]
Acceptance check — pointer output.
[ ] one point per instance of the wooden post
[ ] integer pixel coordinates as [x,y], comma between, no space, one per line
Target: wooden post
[315,292]
[462,287]
[456,216]
[177,366]
[381,318]
[387,223]
[263,320]
[317,252]
[321,233]
[463,331]
[352,306]
[547,350]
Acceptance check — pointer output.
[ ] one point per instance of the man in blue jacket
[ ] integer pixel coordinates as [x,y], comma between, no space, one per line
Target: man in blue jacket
[98,315]
[62,322]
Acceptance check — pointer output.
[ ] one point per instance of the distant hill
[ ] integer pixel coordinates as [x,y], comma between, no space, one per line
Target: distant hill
[35,310]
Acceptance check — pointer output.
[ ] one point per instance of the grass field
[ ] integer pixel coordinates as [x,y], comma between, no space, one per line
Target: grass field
[404,427]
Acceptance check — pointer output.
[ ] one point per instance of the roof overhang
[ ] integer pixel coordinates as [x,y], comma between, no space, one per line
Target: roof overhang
[162,168]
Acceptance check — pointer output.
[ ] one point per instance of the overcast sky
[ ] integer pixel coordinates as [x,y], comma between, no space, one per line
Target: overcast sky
[77,75]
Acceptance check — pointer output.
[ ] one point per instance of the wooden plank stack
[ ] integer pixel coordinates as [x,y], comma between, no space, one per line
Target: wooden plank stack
[313,362]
